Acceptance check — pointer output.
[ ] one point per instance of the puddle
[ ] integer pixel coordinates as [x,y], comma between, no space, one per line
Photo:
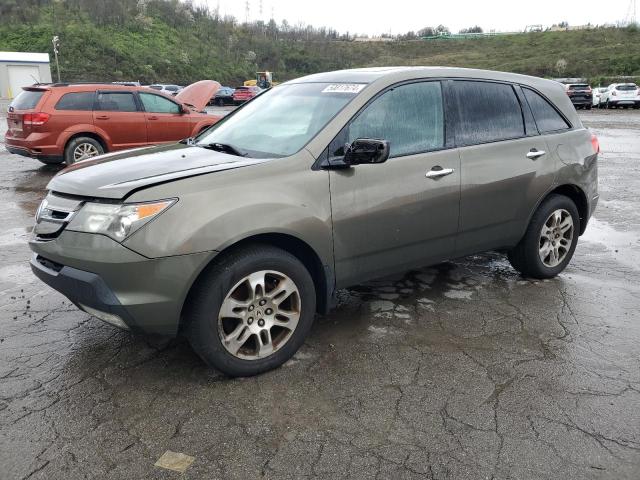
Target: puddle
[458,294]
[624,246]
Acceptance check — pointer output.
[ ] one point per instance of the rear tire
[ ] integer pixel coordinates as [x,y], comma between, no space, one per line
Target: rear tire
[81,148]
[270,326]
[219,102]
[550,240]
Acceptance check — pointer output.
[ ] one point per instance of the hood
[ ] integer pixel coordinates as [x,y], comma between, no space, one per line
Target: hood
[116,175]
[198,94]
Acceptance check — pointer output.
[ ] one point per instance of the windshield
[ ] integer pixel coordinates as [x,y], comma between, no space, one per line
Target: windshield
[281,121]
[578,86]
[626,88]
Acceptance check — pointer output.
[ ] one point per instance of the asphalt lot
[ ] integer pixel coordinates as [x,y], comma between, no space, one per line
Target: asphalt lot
[463,370]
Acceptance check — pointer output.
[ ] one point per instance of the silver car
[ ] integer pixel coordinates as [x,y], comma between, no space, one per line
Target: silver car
[238,237]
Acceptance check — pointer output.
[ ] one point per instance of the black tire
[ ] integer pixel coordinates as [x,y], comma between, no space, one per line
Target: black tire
[218,280]
[525,257]
[589,107]
[49,161]
[220,102]
[78,142]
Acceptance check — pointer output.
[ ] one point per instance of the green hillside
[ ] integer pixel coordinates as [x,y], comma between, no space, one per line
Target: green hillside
[171,41]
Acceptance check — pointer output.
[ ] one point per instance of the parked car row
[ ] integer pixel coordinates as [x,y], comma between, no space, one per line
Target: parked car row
[623,95]
[57,123]
[234,96]
[167,88]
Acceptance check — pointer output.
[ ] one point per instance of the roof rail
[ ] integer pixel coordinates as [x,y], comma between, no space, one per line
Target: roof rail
[66,84]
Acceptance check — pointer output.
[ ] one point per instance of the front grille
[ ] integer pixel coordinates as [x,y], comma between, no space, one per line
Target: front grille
[54,214]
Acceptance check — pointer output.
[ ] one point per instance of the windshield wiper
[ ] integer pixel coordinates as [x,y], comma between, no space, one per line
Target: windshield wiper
[223,147]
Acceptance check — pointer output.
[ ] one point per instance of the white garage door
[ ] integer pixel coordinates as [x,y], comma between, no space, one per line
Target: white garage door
[21,76]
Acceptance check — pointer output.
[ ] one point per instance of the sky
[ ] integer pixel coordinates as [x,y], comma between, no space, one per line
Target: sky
[375,17]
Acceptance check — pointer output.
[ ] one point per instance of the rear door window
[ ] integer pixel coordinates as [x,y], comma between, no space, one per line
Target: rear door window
[27,100]
[487,112]
[546,116]
[410,117]
[76,101]
[157,104]
[116,102]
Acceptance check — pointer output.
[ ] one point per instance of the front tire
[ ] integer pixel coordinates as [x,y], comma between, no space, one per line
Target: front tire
[550,240]
[251,311]
[81,148]
[48,161]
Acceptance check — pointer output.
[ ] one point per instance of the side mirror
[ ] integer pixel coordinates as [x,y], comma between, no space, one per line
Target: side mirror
[366,150]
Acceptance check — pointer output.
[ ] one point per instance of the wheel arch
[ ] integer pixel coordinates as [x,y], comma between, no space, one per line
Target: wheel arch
[93,135]
[202,126]
[577,195]
[322,275]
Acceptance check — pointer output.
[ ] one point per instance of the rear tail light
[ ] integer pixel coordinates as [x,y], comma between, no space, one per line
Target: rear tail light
[39,118]
[595,143]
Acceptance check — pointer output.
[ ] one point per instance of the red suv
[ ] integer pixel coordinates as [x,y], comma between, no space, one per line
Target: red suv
[58,123]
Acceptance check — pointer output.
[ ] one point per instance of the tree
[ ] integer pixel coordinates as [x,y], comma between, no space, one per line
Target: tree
[561,66]
[426,32]
[474,29]
[442,30]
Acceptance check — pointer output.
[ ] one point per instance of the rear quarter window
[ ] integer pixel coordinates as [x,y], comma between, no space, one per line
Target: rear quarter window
[76,101]
[546,116]
[27,99]
[487,112]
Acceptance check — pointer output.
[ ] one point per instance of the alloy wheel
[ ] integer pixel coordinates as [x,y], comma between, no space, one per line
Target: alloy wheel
[556,238]
[83,151]
[259,315]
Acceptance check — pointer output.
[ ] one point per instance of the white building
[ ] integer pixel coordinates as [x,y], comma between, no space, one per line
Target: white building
[19,69]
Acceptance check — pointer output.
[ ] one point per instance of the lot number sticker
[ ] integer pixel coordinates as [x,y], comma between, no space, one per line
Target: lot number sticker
[344,88]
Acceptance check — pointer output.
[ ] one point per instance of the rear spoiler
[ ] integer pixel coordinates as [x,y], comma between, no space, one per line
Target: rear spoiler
[38,87]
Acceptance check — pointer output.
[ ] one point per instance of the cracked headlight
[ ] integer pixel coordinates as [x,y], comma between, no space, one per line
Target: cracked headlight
[118,221]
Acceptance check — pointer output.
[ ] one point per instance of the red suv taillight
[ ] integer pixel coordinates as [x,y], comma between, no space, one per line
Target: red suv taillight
[595,143]
[39,118]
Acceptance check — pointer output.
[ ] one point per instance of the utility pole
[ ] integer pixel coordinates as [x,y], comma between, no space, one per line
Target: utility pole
[56,48]
[630,19]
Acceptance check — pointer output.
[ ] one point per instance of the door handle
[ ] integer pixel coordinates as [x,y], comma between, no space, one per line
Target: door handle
[153,117]
[438,171]
[534,154]
[103,117]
